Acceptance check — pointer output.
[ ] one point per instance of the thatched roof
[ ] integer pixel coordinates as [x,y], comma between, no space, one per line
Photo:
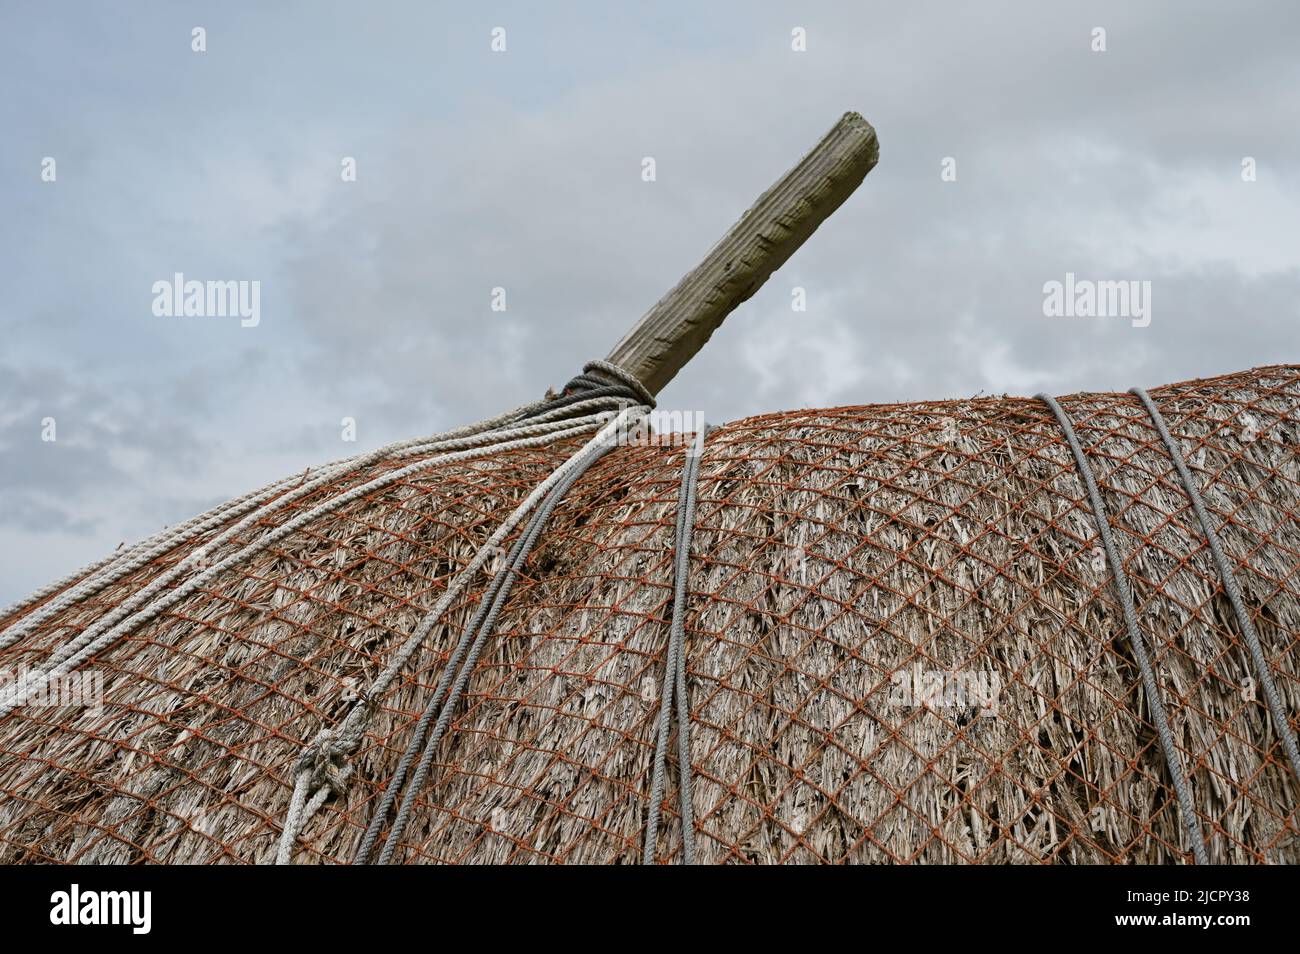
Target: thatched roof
[833,549]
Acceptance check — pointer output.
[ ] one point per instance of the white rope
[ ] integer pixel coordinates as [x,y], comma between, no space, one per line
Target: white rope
[94,578]
[329,751]
[108,629]
[434,724]
[104,573]
[293,819]
[323,769]
[201,555]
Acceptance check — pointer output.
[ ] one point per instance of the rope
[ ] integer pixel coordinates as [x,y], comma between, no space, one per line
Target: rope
[108,629]
[555,422]
[456,674]
[1173,762]
[675,676]
[98,576]
[601,379]
[589,402]
[1281,724]
[424,742]
[334,746]
[615,373]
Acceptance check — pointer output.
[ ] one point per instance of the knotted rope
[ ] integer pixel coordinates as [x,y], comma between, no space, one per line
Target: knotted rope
[149,603]
[336,745]
[1173,762]
[98,576]
[603,398]
[601,386]
[455,676]
[1281,724]
[674,684]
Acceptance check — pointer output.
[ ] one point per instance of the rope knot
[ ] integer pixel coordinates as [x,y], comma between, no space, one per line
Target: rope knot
[327,761]
[604,377]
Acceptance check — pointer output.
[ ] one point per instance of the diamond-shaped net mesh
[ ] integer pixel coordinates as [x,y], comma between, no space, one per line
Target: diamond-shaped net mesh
[903,645]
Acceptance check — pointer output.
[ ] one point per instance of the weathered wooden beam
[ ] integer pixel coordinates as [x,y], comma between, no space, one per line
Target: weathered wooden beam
[671,332]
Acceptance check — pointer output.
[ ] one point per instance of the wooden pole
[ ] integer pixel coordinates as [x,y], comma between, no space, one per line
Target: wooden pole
[671,332]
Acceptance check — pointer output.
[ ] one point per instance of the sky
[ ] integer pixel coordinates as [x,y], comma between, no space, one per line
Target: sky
[1012,151]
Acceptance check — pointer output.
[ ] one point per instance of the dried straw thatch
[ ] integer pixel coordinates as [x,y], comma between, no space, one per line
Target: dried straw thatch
[833,549]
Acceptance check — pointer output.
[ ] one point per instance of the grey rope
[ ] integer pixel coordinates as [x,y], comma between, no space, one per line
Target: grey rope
[1173,761]
[1281,725]
[98,576]
[456,674]
[254,508]
[332,747]
[675,677]
[600,379]
[106,630]
[604,397]
[613,372]
[601,386]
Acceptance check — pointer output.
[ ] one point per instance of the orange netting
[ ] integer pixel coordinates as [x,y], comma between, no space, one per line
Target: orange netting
[834,549]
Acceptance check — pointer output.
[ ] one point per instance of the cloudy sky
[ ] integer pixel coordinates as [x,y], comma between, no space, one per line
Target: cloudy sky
[522,169]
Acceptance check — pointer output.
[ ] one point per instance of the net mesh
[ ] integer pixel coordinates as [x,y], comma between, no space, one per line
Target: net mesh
[903,646]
